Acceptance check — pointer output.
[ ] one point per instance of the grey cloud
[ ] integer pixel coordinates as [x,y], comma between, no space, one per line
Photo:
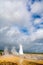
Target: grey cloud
[13,17]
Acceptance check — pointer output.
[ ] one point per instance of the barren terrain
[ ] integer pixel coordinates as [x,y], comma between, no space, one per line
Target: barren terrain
[26,59]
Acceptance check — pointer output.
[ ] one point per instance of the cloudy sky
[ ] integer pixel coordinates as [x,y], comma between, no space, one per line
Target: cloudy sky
[21,22]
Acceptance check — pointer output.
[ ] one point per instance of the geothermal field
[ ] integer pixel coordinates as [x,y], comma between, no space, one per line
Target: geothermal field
[15,58]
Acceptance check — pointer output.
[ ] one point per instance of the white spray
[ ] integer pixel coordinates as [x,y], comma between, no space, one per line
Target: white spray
[21,49]
[13,51]
[6,51]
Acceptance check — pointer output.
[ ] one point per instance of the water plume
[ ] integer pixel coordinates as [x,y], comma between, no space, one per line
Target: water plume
[13,51]
[21,49]
[6,52]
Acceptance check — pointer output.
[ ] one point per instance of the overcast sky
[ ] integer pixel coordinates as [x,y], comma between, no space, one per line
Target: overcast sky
[21,22]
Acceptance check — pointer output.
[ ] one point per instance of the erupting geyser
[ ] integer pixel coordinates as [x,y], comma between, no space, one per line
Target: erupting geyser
[21,49]
[13,51]
[6,51]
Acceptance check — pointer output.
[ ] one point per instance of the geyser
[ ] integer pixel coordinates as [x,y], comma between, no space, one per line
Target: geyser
[21,49]
[13,51]
[6,51]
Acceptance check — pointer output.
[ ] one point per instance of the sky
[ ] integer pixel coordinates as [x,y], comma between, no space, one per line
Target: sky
[21,22]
